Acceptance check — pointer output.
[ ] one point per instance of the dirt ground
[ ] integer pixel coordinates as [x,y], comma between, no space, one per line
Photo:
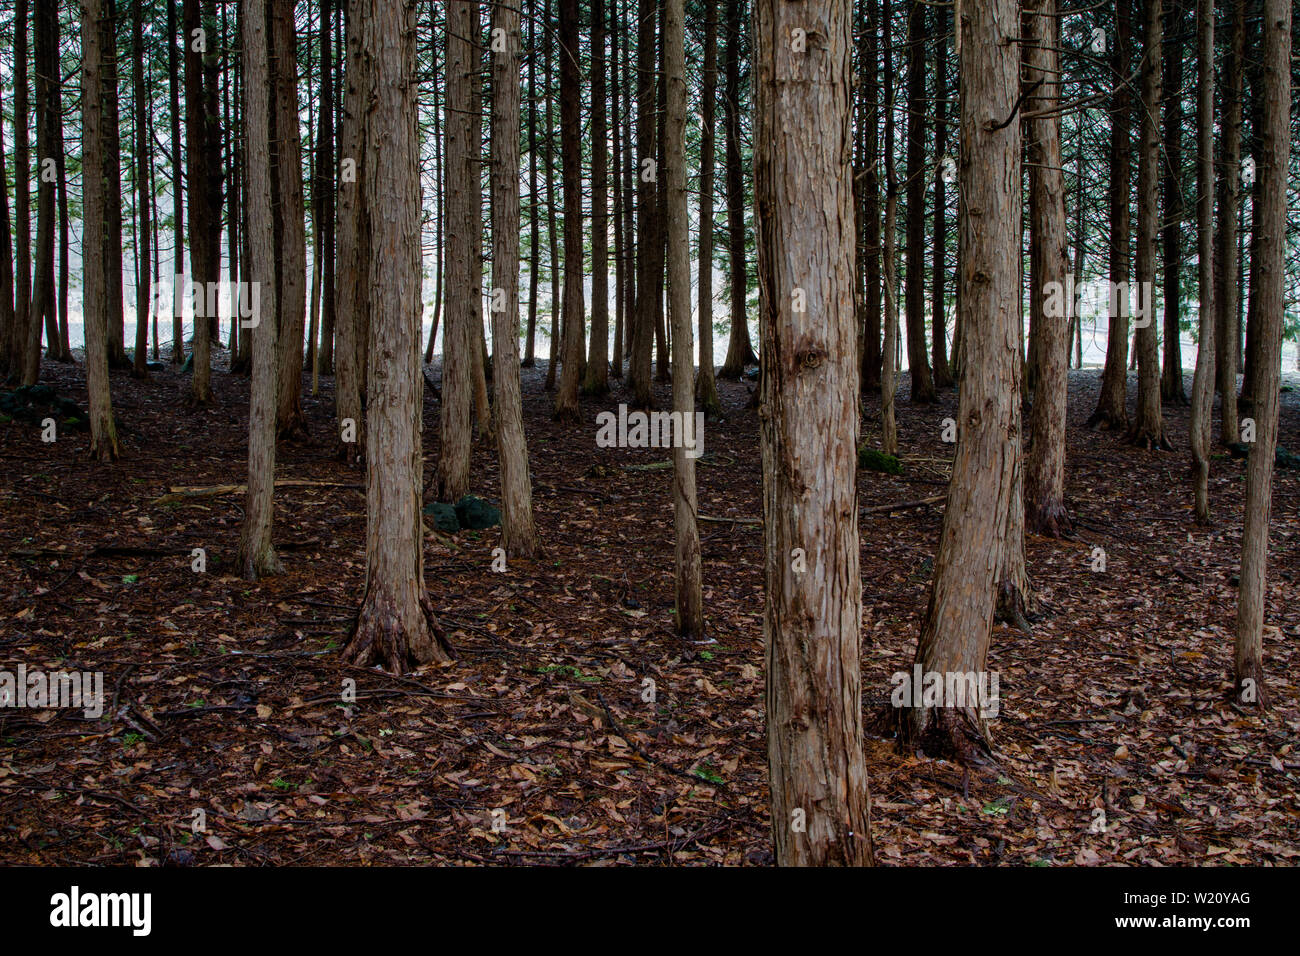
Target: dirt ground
[226,740]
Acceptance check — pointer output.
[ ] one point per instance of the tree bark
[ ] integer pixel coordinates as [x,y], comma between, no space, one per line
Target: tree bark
[462,302]
[688,574]
[518,533]
[1148,426]
[596,380]
[257,557]
[1203,380]
[706,385]
[1227,290]
[740,351]
[918,362]
[396,627]
[808,418]
[1174,208]
[1045,471]
[94,306]
[638,369]
[1111,413]
[958,621]
[1271,210]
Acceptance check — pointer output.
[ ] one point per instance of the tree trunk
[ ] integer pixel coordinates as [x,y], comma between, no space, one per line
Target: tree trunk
[1111,413]
[813,605]
[740,351]
[94,306]
[7,319]
[869,120]
[688,573]
[396,627]
[939,270]
[178,188]
[638,369]
[518,533]
[204,177]
[43,307]
[143,155]
[257,557]
[1203,380]
[918,362]
[958,621]
[1248,667]
[1148,426]
[113,197]
[566,399]
[889,349]
[23,318]
[596,381]
[554,346]
[352,308]
[1045,471]
[534,206]
[1174,212]
[706,386]
[1227,290]
[462,304]
[324,199]
[291,255]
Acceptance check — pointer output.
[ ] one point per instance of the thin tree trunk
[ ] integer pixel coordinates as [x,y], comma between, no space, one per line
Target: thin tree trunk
[1227,290]
[638,369]
[554,345]
[113,172]
[23,318]
[706,386]
[688,574]
[257,557]
[918,361]
[1174,208]
[1203,380]
[534,204]
[1045,470]
[596,380]
[178,189]
[518,533]
[809,382]
[889,350]
[939,268]
[43,312]
[94,307]
[1148,426]
[462,302]
[395,627]
[566,399]
[620,250]
[1111,413]
[958,621]
[869,121]
[1248,667]
[143,152]
[740,351]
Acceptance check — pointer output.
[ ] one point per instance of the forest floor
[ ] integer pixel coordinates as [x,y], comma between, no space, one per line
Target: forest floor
[225,697]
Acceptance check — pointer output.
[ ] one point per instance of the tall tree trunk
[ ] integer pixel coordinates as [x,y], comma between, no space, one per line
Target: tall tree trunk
[939,269]
[688,574]
[178,188]
[1203,380]
[869,120]
[325,190]
[1111,413]
[740,351]
[291,255]
[596,380]
[143,154]
[1045,471]
[918,361]
[23,318]
[889,349]
[809,411]
[94,307]
[43,307]
[1148,426]
[616,146]
[958,621]
[1248,667]
[706,386]
[396,627]
[7,319]
[257,557]
[566,399]
[204,177]
[534,204]
[1227,289]
[1174,211]
[638,369]
[518,533]
[462,304]
[113,205]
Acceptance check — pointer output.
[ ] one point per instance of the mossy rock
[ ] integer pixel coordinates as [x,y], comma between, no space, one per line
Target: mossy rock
[874,460]
[477,514]
[444,517]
